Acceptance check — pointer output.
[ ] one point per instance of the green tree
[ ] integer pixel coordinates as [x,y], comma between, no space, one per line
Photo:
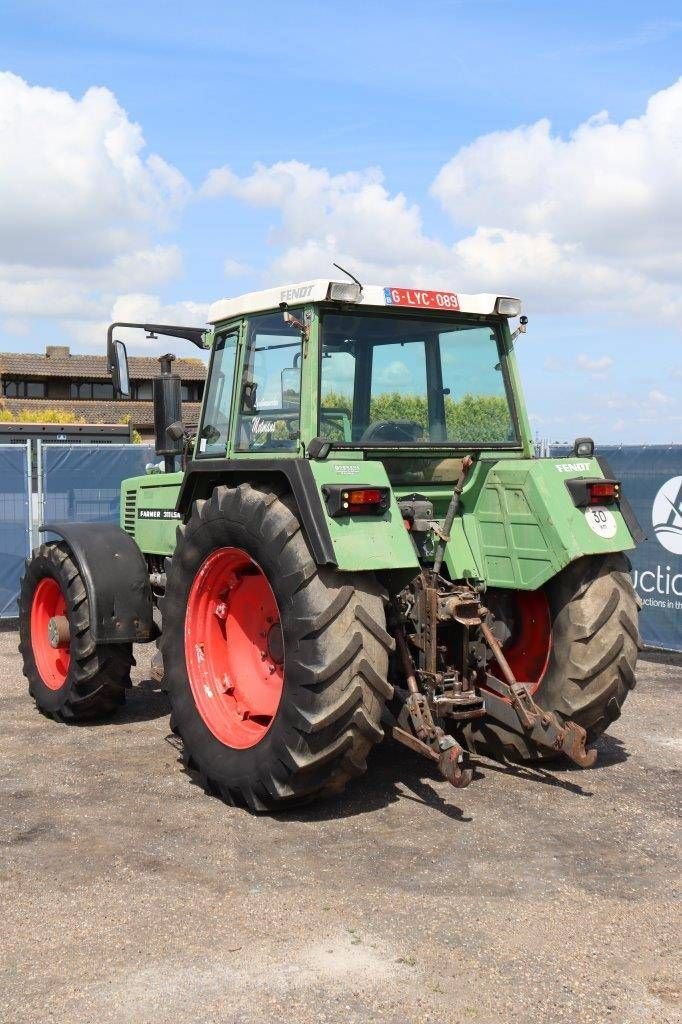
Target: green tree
[481,419]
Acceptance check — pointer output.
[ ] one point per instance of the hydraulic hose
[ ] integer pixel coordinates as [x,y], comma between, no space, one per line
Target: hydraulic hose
[444,537]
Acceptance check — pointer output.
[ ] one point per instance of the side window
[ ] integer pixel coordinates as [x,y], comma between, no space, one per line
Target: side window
[215,421]
[336,393]
[270,393]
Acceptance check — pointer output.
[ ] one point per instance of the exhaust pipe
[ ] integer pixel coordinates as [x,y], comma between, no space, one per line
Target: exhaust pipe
[167,410]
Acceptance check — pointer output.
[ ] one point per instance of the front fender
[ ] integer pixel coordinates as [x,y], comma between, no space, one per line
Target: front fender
[116,580]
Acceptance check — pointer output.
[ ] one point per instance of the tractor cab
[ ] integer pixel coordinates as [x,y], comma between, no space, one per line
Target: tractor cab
[393,372]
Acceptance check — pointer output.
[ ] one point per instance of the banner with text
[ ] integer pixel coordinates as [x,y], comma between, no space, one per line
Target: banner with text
[651,476]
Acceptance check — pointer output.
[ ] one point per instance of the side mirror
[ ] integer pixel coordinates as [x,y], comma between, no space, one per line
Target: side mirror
[119,370]
[291,388]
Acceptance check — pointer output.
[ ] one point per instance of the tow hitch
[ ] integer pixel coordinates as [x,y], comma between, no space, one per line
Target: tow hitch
[430,740]
[542,727]
[438,693]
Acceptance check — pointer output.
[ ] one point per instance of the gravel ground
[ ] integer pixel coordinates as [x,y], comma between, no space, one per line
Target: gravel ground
[539,897]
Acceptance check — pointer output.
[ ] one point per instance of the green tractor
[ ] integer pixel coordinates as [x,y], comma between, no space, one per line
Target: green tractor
[360,542]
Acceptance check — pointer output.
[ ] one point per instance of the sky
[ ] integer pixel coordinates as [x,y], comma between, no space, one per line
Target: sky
[156,157]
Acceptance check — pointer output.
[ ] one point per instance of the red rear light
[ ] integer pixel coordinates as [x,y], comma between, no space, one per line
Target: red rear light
[353,501]
[362,496]
[600,491]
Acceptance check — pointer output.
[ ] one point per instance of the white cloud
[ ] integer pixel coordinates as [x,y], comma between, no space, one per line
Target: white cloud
[82,200]
[235,268]
[657,397]
[590,223]
[323,215]
[49,292]
[14,325]
[644,408]
[596,366]
[76,184]
[140,307]
[395,375]
[605,188]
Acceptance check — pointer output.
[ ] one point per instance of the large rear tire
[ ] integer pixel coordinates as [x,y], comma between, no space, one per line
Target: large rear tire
[276,668]
[589,614]
[78,680]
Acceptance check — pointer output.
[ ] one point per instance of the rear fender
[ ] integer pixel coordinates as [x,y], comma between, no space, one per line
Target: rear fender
[521,521]
[116,580]
[353,544]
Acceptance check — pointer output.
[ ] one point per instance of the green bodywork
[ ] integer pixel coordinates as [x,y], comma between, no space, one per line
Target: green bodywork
[517,525]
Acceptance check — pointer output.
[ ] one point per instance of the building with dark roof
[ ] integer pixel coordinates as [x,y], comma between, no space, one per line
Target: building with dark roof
[81,385]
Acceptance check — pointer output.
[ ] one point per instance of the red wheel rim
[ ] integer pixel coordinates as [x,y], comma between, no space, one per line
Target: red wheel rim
[233,648]
[530,645]
[52,662]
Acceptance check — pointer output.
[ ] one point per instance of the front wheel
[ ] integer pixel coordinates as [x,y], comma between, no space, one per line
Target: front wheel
[575,642]
[276,668]
[70,677]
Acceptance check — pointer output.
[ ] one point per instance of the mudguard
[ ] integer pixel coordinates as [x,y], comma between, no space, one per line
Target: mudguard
[116,580]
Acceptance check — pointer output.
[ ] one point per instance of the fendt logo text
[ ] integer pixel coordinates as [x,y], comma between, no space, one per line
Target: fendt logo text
[666,515]
[572,467]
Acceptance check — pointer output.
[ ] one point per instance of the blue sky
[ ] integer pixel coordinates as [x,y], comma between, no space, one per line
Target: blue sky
[373,127]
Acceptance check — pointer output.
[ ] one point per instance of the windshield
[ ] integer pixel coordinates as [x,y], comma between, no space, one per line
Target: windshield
[394,380]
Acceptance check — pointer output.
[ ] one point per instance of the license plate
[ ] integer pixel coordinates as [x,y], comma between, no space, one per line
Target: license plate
[415,298]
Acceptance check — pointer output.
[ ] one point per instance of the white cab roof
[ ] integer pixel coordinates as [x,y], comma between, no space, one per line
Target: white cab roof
[372,295]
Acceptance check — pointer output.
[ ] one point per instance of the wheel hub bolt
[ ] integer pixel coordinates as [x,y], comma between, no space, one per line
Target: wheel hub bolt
[58,633]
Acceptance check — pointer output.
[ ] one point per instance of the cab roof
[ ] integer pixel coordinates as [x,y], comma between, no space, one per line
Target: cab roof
[322,289]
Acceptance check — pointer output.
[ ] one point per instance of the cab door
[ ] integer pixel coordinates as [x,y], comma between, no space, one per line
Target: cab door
[217,412]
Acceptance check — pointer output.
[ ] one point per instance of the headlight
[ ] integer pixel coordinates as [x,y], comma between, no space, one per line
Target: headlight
[344,291]
[507,307]
[583,446]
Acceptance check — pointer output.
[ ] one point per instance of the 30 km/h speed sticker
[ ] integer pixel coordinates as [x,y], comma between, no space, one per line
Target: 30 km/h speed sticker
[601,521]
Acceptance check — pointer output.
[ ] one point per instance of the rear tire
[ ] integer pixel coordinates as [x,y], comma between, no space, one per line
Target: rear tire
[334,678]
[84,680]
[593,611]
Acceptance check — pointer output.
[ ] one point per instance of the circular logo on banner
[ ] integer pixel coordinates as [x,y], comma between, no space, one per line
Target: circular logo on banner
[601,521]
[666,515]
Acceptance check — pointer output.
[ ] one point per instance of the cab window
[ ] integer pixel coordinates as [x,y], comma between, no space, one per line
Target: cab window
[215,421]
[270,390]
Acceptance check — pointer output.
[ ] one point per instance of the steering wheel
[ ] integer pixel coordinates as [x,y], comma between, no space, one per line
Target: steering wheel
[405,431]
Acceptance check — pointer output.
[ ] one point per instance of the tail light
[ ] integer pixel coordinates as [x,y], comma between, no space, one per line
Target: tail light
[594,492]
[603,492]
[356,501]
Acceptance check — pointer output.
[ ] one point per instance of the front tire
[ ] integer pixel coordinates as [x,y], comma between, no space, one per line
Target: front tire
[277,694]
[78,680]
[589,614]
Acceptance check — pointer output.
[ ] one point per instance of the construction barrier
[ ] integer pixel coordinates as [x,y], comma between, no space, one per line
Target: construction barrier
[15,522]
[82,483]
[43,482]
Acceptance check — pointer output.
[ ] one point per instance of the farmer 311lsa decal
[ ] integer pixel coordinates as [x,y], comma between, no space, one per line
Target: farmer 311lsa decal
[359,541]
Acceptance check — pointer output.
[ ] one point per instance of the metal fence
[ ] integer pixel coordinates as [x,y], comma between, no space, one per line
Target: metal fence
[82,483]
[15,522]
[42,482]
